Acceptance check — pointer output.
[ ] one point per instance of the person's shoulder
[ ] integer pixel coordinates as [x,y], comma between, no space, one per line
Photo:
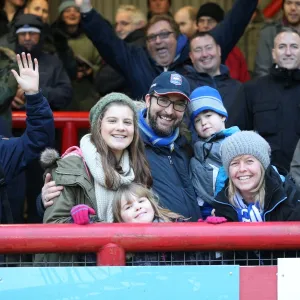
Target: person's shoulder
[50,57]
[270,27]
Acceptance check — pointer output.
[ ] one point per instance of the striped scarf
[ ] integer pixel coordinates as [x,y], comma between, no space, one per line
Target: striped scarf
[247,213]
[153,138]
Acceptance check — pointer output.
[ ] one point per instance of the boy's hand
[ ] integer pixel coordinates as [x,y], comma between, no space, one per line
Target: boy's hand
[81,214]
[215,220]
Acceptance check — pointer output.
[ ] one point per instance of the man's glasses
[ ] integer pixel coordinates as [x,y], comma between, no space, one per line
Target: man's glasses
[162,35]
[165,102]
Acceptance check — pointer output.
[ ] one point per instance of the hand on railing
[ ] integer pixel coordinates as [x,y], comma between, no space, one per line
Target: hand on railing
[81,214]
[214,220]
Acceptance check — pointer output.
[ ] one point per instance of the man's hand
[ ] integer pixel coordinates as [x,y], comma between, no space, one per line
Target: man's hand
[84,5]
[50,191]
[29,76]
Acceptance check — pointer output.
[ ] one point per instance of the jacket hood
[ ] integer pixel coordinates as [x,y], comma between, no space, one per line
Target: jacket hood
[211,146]
[135,35]
[7,53]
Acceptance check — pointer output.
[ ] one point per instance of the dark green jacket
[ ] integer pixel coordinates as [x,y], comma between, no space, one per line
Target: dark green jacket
[8,84]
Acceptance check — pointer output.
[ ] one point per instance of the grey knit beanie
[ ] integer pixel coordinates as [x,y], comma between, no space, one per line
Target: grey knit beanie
[98,108]
[245,143]
[66,4]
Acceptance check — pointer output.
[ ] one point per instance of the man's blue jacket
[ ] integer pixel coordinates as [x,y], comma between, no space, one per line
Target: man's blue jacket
[17,153]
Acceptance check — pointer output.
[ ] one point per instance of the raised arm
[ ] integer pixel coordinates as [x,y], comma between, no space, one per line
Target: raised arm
[229,31]
[17,153]
[111,48]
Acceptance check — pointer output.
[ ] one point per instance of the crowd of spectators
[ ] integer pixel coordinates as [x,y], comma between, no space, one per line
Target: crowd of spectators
[179,131]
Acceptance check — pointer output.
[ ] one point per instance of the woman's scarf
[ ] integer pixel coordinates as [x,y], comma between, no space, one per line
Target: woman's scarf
[247,213]
[104,196]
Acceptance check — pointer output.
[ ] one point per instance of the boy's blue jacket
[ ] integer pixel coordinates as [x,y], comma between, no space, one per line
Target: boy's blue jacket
[17,153]
[205,167]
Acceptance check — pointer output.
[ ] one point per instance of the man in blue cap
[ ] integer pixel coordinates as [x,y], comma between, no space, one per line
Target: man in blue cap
[166,146]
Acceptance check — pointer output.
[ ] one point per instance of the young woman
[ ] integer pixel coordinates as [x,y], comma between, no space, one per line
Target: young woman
[255,192]
[87,57]
[110,156]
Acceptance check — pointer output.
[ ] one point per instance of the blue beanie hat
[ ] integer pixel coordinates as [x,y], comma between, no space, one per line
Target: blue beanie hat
[206,98]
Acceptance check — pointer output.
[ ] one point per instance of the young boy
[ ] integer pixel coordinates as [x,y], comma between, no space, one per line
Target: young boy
[208,116]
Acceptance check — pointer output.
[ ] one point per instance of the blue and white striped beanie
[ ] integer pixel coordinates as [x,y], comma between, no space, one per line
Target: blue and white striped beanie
[206,98]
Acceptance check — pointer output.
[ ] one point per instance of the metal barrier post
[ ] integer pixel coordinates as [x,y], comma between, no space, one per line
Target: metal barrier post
[69,136]
[111,255]
[68,121]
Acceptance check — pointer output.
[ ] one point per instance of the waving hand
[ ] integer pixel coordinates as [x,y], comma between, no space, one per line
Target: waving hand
[84,5]
[29,76]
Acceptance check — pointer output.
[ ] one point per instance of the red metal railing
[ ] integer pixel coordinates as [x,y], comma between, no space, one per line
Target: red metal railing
[111,241]
[68,121]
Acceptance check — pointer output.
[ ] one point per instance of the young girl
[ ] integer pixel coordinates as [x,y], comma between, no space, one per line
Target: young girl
[134,203]
[255,192]
[112,155]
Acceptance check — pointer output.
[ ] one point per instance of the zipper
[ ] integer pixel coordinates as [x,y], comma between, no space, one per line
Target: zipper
[273,208]
[170,159]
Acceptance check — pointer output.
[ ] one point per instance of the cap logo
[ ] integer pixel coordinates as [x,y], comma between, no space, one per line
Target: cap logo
[153,85]
[176,79]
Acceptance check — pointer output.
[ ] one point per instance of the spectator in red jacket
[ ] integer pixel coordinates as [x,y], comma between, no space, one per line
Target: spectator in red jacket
[209,15]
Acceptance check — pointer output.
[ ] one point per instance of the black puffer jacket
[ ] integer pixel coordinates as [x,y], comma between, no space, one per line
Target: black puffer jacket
[270,105]
[281,200]
[227,86]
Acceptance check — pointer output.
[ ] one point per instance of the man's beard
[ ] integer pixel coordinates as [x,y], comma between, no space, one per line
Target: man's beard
[159,131]
[35,50]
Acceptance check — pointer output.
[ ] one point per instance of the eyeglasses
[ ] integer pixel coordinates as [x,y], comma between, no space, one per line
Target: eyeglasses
[165,102]
[162,35]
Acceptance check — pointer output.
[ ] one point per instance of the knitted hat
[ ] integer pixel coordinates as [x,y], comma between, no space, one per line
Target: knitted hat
[66,4]
[212,10]
[170,83]
[98,108]
[206,98]
[28,23]
[245,143]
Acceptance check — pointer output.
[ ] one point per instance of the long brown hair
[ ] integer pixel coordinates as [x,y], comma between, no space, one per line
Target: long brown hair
[139,190]
[136,151]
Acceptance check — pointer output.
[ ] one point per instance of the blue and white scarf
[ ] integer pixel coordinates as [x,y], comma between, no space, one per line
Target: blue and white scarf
[247,213]
[153,138]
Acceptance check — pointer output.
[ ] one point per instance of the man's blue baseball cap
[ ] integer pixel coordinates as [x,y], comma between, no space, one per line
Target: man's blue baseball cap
[170,83]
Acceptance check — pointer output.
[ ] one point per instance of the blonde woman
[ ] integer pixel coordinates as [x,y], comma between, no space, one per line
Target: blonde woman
[255,191]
